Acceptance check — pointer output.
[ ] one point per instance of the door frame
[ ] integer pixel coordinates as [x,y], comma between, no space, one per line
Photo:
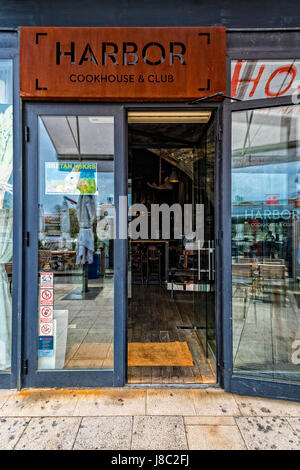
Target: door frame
[11,379]
[218,107]
[31,377]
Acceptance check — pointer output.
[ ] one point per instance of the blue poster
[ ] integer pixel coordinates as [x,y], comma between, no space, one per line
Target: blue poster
[46,346]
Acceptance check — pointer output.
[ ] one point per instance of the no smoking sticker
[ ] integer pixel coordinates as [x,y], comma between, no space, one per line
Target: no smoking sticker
[46,297]
[46,314]
[47,280]
[46,329]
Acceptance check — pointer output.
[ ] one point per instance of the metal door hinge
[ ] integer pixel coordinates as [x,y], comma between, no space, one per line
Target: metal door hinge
[220,133]
[25,367]
[27,238]
[27,134]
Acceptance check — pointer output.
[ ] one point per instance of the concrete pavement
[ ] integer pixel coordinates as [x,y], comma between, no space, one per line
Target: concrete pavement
[124,419]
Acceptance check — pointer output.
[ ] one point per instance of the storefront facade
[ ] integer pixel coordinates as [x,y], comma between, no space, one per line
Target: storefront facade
[60,105]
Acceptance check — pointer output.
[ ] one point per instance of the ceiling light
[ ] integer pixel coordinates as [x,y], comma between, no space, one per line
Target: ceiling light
[160,117]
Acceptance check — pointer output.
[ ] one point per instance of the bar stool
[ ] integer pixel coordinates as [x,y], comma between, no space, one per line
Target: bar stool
[153,263]
[137,262]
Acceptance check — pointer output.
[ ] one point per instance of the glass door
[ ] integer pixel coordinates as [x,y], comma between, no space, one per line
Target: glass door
[204,170]
[75,257]
[265,250]
[171,295]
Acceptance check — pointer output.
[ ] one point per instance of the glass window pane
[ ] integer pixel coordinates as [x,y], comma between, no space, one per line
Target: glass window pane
[6,213]
[266,243]
[256,79]
[76,246]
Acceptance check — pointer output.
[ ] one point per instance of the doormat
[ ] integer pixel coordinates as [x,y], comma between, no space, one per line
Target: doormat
[77,294]
[173,354]
[100,355]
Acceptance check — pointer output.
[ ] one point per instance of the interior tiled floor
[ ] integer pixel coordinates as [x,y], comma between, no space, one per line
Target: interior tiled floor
[89,321]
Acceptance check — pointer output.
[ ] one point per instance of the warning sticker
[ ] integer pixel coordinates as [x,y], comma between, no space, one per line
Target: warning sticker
[46,329]
[46,297]
[46,314]
[47,280]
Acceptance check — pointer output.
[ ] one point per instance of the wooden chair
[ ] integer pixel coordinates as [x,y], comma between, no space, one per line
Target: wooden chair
[69,259]
[137,263]
[242,270]
[242,278]
[153,263]
[273,261]
[44,258]
[245,260]
[186,254]
[274,277]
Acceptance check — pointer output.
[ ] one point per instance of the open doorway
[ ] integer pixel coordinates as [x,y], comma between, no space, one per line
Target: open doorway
[171,291]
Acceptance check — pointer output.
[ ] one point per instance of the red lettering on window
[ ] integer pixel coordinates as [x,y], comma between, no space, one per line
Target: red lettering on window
[291,71]
[236,79]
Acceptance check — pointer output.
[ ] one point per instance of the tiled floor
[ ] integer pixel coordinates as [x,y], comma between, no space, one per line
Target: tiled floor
[89,321]
[145,419]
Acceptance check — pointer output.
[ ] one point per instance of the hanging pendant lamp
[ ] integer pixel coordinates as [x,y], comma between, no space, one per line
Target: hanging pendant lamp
[173,178]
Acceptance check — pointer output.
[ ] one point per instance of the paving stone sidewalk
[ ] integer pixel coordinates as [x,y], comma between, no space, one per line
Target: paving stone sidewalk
[124,419]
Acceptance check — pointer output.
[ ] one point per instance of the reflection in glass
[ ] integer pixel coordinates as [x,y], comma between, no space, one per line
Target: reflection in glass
[6,213]
[256,79]
[266,243]
[76,227]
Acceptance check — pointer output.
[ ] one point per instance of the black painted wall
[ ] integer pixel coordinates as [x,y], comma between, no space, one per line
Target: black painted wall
[229,13]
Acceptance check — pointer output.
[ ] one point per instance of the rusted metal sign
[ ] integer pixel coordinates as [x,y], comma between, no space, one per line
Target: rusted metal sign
[121,64]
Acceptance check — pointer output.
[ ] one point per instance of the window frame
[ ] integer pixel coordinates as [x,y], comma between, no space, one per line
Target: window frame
[9,51]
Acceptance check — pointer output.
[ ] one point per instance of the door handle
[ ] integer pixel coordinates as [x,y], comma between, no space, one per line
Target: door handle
[211,260]
[199,261]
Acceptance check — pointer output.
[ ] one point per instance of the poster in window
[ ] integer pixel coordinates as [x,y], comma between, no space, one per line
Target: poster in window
[73,178]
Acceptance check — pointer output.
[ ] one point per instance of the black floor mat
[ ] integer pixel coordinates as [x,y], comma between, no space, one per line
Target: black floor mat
[76,294]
